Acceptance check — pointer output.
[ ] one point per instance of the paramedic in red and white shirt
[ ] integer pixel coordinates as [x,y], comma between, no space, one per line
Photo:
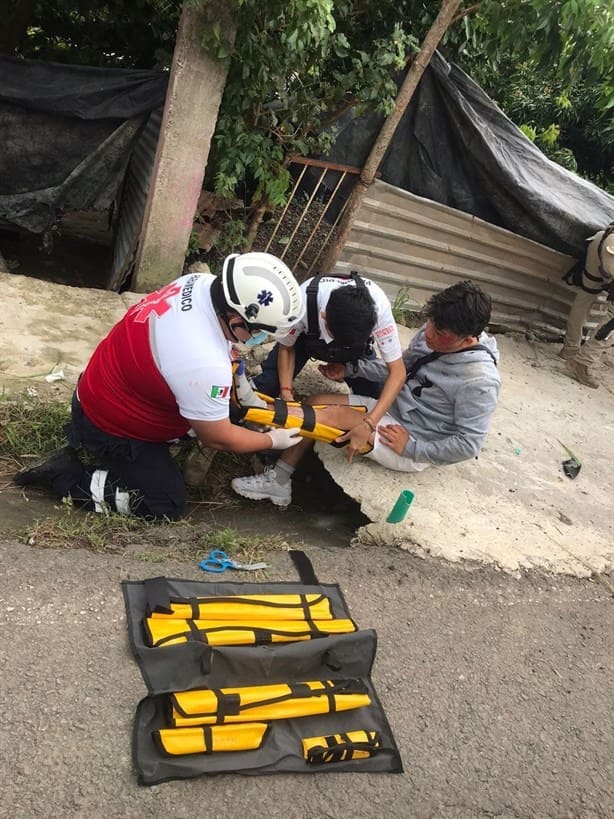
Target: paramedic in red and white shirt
[165,371]
[350,310]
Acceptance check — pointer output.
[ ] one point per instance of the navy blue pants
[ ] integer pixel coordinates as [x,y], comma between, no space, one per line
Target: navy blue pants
[268,381]
[146,470]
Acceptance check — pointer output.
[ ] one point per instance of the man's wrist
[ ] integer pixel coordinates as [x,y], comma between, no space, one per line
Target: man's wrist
[369,423]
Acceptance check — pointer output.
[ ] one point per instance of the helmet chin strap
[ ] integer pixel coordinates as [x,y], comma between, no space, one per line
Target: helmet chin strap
[224,318]
[221,308]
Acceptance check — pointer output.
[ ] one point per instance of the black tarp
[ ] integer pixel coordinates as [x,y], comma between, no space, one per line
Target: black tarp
[455,146]
[66,134]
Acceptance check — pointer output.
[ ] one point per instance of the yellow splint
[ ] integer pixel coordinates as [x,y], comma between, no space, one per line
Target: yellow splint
[307,425]
[249,607]
[211,739]
[266,702]
[340,747]
[234,633]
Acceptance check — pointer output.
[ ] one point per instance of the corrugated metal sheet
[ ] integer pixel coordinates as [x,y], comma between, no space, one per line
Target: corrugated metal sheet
[401,240]
[134,198]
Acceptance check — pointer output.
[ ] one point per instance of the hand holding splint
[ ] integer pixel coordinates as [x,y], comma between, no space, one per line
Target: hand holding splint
[357,439]
[283,438]
[395,436]
[334,371]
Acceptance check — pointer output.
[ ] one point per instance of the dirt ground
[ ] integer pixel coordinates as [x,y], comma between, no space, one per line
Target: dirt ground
[513,507]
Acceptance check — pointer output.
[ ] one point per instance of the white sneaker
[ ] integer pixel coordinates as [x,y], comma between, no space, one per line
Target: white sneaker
[264,487]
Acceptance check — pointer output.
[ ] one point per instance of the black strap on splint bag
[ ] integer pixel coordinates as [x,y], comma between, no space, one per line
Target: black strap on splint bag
[195,665]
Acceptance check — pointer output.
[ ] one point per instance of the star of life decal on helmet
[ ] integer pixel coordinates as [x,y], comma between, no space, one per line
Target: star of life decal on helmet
[265,297]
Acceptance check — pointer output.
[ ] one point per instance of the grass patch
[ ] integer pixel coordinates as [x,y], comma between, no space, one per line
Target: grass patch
[243,548]
[145,541]
[30,426]
[75,529]
[228,540]
[399,304]
[148,557]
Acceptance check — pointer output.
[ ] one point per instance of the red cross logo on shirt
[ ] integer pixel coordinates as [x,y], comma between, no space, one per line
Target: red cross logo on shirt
[155,303]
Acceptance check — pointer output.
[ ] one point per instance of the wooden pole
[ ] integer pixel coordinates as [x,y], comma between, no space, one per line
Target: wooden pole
[423,57]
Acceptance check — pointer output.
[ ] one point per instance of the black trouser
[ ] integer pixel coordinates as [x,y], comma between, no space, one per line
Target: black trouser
[268,381]
[146,470]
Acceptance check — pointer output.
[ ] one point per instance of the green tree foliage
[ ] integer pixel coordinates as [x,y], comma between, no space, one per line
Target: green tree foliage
[549,65]
[574,39]
[123,33]
[293,69]
[296,65]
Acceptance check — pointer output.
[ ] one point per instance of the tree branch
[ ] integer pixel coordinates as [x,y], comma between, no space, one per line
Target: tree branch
[466,12]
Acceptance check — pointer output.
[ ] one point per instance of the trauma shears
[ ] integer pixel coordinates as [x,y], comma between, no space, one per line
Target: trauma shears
[218,561]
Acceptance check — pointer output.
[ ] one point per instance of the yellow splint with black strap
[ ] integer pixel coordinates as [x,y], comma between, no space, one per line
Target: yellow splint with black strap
[340,747]
[234,633]
[307,426]
[265,702]
[211,739]
[304,607]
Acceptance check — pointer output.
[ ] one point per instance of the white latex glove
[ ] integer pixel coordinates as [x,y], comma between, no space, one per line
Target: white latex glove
[283,438]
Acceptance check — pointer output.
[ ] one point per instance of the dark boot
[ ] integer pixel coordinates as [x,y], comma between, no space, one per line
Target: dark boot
[55,471]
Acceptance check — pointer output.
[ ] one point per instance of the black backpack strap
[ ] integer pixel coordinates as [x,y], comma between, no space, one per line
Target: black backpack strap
[573,276]
[576,275]
[426,359]
[420,362]
[481,347]
[357,278]
[313,324]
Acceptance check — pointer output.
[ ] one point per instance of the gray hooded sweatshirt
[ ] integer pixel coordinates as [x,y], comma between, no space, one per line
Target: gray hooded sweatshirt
[447,406]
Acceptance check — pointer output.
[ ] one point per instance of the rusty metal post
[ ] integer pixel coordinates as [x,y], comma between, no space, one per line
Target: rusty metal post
[367,175]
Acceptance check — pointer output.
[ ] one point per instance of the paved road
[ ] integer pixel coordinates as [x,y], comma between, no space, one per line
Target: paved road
[499,691]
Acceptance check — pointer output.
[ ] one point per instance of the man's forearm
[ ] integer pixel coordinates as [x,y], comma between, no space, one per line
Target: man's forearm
[449,450]
[373,369]
[393,384]
[286,357]
[229,437]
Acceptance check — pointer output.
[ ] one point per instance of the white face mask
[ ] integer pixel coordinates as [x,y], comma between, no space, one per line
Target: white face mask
[259,338]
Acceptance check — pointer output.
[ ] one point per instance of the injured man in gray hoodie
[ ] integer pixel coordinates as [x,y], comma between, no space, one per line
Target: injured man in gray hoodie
[440,416]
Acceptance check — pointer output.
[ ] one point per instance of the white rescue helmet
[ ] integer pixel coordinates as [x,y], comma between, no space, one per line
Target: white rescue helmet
[262,290]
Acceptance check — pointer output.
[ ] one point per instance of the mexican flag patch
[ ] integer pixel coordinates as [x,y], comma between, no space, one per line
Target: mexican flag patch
[219,392]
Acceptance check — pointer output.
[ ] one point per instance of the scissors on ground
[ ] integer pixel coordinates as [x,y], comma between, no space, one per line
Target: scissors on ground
[218,561]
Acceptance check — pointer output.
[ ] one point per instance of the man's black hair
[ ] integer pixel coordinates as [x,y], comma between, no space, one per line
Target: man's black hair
[462,309]
[350,315]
